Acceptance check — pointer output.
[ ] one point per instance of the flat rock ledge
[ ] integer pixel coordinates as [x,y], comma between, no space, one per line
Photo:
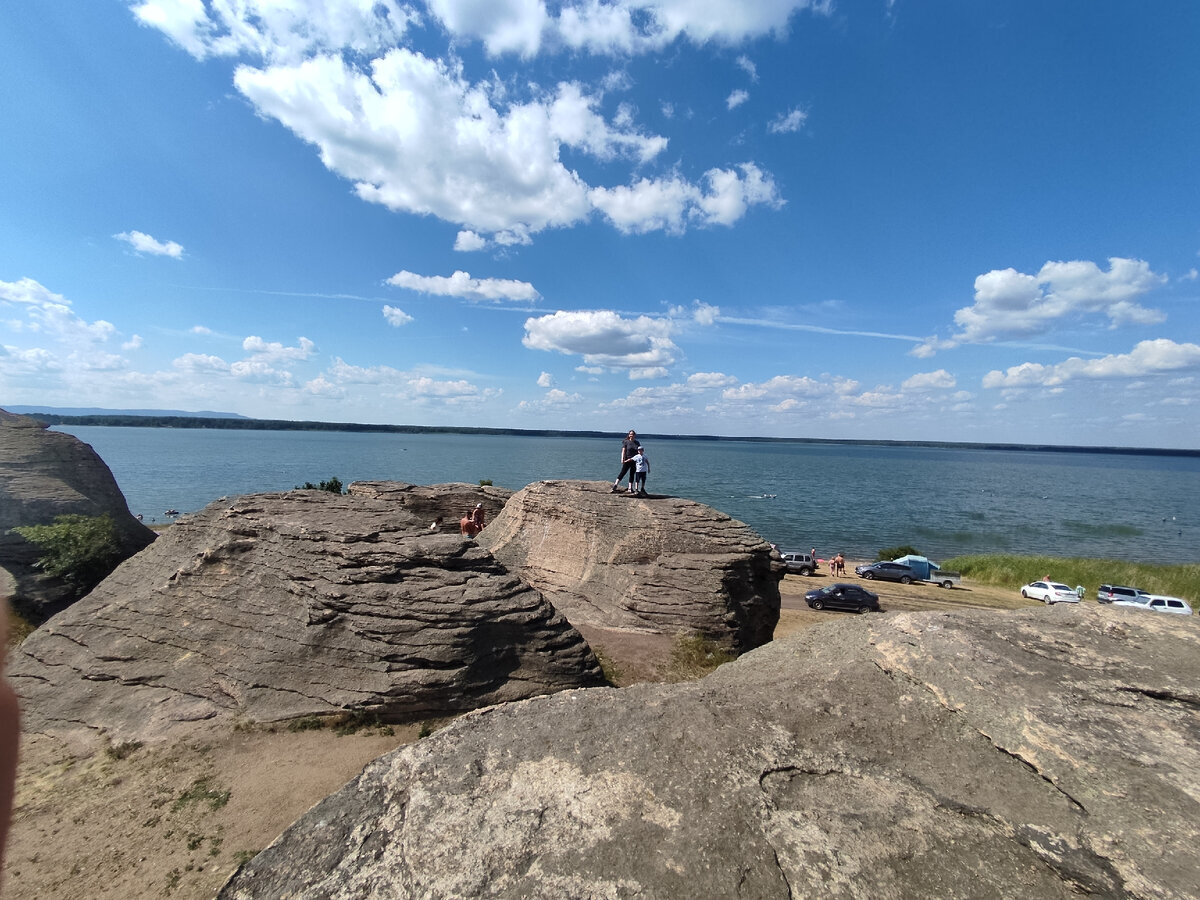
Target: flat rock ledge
[662,564]
[276,606]
[1042,753]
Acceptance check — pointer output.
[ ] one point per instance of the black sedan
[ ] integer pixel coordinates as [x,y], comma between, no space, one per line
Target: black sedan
[849,597]
[887,571]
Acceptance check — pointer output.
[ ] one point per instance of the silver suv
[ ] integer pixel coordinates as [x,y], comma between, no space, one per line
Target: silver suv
[799,563]
[1109,593]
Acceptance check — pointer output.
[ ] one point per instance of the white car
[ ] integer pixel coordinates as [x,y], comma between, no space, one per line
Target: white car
[1049,592]
[1169,605]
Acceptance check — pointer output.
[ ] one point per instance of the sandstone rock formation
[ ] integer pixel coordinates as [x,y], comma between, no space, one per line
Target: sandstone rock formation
[657,564]
[44,474]
[426,503]
[1043,753]
[275,606]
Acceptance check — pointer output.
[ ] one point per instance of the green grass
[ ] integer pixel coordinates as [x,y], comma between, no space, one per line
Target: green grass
[201,791]
[693,656]
[1013,571]
[19,627]
[608,668]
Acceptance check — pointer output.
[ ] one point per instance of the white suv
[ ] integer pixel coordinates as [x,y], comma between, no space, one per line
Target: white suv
[1169,605]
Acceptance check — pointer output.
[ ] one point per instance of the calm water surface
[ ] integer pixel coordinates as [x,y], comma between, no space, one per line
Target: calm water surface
[856,499]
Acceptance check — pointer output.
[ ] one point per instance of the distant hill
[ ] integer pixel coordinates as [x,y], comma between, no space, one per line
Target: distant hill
[96,411]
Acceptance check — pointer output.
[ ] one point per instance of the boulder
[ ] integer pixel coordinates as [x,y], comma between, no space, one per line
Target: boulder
[427,503]
[655,563]
[45,474]
[277,606]
[1047,752]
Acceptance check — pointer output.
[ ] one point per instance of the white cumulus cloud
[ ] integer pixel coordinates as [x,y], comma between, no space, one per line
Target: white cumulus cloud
[396,317]
[604,338]
[144,243]
[273,351]
[671,204]
[929,381]
[788,122]
[1145,359]
[416,134]
[463,286]
[1011,304]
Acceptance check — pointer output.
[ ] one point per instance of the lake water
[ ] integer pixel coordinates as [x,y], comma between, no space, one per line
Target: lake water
[850,498]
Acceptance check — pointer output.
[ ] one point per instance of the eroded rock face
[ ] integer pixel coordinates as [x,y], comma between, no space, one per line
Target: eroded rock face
[275,606]
[427,503]
[45,474]
[1042,753]
[659,563]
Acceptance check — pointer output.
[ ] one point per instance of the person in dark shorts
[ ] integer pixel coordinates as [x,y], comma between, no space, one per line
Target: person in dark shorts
[629,447]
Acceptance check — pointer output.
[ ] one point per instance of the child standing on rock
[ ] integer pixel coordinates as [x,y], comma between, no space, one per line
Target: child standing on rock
[641,467]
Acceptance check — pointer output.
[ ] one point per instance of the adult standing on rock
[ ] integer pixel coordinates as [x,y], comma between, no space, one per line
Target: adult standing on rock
[629,448]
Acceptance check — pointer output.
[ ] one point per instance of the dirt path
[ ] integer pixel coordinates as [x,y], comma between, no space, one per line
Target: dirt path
[167,821]
[795,614]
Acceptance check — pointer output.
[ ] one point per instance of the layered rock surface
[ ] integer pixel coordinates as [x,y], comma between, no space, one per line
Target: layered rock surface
[275,606]
[45,474]
[1042,753]
[654,564]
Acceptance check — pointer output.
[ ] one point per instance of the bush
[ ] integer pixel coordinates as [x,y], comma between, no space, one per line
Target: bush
[333,485]
[81,550]
[891,553]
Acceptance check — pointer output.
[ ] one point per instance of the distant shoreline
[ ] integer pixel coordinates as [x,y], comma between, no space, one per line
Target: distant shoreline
[245,424]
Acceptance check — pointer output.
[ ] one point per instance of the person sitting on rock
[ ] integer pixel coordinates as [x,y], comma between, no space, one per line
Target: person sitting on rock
[472,523]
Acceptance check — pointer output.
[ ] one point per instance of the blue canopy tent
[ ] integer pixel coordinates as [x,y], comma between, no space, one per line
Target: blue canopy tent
[923,567]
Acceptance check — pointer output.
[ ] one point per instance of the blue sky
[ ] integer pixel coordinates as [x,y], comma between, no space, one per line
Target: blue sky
[959,221]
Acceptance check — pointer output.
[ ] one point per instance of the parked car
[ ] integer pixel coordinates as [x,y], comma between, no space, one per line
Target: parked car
[849,597]
[1169,605]
[1111,593]
[1049,592]
[799,563]
[887,571]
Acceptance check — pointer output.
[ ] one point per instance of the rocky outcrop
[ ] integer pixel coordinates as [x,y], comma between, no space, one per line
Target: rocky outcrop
[1042,753]
[654,564]
[427,503]
[44,474]
[276,606]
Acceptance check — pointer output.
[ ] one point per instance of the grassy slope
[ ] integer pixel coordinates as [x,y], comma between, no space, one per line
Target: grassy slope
[1014,571]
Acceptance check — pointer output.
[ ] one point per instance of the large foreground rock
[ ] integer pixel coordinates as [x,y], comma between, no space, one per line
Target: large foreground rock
[45,474]
[275,606]
[655,564]
[1043,753]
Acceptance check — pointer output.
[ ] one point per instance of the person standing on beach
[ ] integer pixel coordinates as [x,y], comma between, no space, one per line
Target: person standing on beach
[641,467]
[628,449]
